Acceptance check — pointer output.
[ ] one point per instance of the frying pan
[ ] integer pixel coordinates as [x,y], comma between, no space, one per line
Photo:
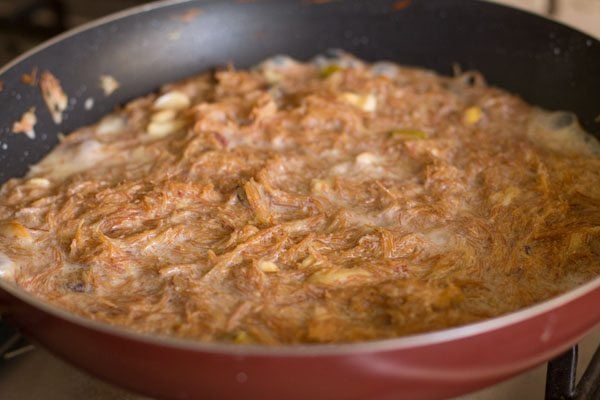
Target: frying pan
[546,63]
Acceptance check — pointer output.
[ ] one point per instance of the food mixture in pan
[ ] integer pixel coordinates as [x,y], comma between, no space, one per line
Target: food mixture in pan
[330,201]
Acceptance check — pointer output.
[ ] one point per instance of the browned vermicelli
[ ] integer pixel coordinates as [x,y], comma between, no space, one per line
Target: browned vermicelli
[332,201]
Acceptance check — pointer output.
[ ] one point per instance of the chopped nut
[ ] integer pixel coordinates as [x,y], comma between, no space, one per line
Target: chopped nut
[320,185]
[111,124]
[308,261]
[108,84]
[268,266]
[242,338]
[366,103]
[506,196]
[258,200]
[250,230]
[329,70]
[26,124]
[15,230]
[336,276]
[581,239]
[39,182]
[163,116]
[366,158]
[272,77]
[174,100]
[408,134]
[54,96]
[472,115]
[30,79]
[162,129]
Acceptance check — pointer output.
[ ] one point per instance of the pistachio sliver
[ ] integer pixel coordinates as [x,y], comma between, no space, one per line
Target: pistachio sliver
[408,134]
[472,115]
[329,70]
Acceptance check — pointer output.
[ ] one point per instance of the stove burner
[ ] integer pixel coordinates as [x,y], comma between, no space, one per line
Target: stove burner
[561,377]
[12,344]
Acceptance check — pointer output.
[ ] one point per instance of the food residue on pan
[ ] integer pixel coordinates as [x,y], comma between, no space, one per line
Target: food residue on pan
[189,15]
[89,103]
[31,78]
[109,84]
[26,124]
[54,96]
[401,5]
[174,35]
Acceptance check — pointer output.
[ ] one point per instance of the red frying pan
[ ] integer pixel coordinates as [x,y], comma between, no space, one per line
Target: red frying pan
[513,49]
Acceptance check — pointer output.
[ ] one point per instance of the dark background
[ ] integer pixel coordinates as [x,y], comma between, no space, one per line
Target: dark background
[26,23]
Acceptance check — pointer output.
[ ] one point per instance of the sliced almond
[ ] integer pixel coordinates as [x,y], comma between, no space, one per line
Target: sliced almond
[162,129]
[369,104]
[339,275]
[39,182]
[320,185]
[163,116]
[366,103]
[111,124]
[367,158]
[308,261]
[272,77]
[268,266]
[14,229]
[174,100]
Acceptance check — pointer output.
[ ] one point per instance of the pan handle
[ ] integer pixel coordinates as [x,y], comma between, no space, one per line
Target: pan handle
[12,343]
[561,377]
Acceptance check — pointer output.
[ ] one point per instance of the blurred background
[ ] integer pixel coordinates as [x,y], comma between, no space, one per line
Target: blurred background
[25,23]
